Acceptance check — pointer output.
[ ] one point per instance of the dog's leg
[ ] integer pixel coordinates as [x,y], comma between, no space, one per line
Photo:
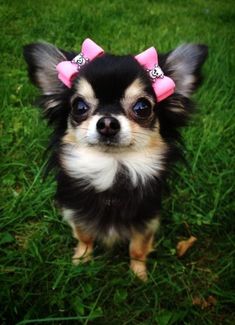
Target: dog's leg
[141,244]
[84,248]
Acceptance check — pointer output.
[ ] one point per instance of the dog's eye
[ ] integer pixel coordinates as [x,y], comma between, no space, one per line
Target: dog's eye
[142,108]
[79,106]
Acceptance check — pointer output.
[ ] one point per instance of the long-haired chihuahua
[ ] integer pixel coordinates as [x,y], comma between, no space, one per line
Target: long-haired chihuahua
[116,123]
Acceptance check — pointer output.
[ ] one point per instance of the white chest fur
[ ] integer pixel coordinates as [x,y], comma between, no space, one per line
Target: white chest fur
[99,169]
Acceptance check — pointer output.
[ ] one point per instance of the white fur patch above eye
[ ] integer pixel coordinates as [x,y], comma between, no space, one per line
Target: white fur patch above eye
[84,89]
[135,89]
[133,92]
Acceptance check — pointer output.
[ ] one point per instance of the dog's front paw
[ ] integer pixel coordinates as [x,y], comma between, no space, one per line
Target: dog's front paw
[83,254]
[139,269]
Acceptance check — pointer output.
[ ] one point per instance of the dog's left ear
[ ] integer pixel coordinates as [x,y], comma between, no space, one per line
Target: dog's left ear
[42,59]
[183,65]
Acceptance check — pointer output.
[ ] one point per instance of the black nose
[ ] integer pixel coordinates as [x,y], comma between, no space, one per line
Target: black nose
[108,126]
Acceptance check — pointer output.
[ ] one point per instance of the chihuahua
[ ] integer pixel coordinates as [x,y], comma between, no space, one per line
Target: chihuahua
[116,123]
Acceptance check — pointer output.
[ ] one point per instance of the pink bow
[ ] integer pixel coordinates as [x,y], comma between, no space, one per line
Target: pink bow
[68,70]
[163,86]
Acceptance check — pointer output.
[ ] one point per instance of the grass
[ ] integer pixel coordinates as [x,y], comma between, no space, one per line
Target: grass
[38,282]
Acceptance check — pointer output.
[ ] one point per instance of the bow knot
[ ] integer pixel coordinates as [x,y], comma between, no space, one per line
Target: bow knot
[155,72]
[80,60]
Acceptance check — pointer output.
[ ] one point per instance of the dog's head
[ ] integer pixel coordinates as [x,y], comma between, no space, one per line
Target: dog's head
[111,104]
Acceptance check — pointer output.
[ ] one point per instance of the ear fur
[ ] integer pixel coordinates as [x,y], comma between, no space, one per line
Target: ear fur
[42,59]
[183,65]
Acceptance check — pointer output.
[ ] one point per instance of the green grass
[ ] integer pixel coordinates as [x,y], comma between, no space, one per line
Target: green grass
[38,283]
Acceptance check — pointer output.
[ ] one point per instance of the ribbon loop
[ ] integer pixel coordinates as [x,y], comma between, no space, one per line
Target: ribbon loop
[148,58]
[163,86]
[68,70]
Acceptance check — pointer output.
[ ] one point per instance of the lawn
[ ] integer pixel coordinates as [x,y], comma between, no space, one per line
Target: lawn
[38,283]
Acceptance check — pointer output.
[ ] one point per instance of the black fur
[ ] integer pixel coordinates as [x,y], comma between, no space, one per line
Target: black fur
[121,207]
[118,74]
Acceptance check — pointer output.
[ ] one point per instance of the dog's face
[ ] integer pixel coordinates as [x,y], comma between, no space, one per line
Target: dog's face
[111,110]
[113,106]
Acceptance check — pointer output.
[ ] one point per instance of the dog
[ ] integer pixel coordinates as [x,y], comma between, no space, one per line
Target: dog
[116,122]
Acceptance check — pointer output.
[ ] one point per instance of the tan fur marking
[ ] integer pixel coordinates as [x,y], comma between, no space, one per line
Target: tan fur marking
[69,137]
[154,225]
[149,140]
[85,90]
[156,140]
[140,246]
[134,92]
[84,249]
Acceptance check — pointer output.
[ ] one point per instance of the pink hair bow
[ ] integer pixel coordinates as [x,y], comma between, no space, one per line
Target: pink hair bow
[68,70]
[163,86]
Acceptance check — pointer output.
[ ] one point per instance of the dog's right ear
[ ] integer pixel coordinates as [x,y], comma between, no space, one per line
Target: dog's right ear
[42,59]
[184,65]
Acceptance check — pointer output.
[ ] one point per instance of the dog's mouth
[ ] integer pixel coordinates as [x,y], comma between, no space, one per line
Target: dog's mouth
[110,144]
[109,141]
